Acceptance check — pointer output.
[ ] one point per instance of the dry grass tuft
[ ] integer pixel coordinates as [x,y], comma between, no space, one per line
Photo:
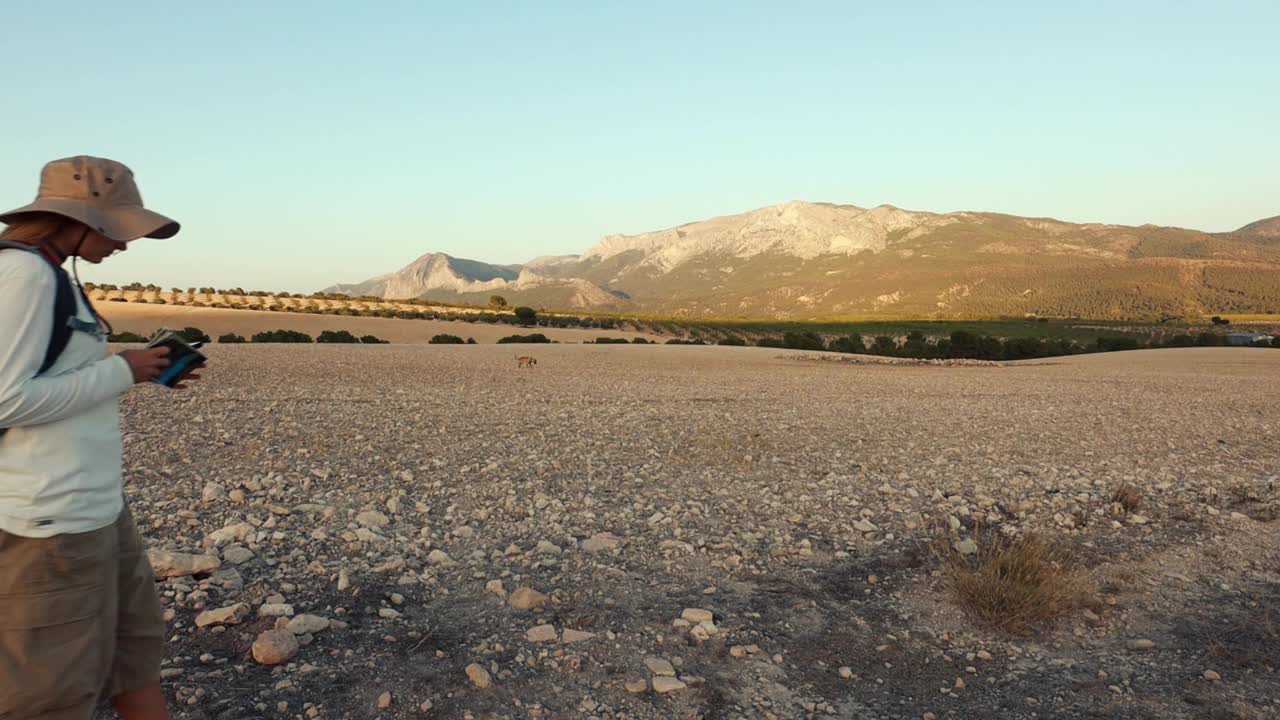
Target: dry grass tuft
[1128,497]
[1013,584]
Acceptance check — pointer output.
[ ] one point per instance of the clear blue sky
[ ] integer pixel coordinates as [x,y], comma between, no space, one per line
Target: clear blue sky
[307,143]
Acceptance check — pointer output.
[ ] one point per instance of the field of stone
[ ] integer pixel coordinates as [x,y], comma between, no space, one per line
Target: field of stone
[706,532]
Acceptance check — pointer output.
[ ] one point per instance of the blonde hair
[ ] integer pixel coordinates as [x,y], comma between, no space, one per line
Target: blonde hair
[36,228]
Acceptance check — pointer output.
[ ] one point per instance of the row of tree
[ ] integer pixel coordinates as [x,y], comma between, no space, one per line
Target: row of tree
[966,345]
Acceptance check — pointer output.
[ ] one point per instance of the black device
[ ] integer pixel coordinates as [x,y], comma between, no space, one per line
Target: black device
[183,357]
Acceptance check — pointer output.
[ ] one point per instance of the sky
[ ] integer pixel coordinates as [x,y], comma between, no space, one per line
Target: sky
[303,144]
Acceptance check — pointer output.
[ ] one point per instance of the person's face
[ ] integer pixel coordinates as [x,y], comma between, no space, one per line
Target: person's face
[98,247]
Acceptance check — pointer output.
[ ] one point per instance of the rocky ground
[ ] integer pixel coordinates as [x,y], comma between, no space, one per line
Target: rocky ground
[689,532]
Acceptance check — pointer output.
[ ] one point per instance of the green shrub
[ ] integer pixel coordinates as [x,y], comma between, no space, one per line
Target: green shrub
[732,340]
[534,338]
[526,315]
[803,341]
[612,341]
[884,345]
[640,341]
[1105,344]
[373,340]
[445,339]
[126,337]
[281,336]
[194,335]
[337,336]
[231,338]
[850,344]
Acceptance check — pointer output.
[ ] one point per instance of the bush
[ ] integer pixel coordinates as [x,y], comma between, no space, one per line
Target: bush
[445,339]
[1023,348]
[194,335]
[612,341]
[803,341]
[1013,584]
[471,341]
[373,340]
[281,336]
[231,338]
[534,338]
[337,336]
[126,337]
[732,341]
[1275,342]
[1116,344]
[884,345]
[680,341]
[526,315]
[770,342]
[640,341]
[850,344]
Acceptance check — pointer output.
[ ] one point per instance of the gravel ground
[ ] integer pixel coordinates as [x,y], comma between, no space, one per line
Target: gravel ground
[690,532]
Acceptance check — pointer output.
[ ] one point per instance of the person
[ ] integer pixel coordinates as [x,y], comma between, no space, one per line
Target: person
[80,621]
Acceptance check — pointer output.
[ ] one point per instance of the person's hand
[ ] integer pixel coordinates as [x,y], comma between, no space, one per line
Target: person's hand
[146,364]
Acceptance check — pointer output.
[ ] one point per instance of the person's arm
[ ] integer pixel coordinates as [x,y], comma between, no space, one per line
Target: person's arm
[26,324]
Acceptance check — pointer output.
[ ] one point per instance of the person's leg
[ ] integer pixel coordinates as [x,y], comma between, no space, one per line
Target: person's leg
[55,636]
[134,688]
[145,703]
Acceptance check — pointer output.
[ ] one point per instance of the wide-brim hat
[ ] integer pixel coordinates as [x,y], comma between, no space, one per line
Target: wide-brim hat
[100,193]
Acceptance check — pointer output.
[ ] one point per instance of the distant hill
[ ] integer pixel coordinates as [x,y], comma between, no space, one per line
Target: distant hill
[806,260]
[1268,229]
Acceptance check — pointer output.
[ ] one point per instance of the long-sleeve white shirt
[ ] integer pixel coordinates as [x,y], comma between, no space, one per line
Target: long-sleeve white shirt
[61,459]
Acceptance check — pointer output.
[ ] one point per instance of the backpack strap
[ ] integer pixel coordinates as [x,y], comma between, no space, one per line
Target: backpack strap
[64,307]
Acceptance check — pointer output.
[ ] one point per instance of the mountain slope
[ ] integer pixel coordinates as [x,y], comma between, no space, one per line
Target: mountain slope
[802,260]
[451,279]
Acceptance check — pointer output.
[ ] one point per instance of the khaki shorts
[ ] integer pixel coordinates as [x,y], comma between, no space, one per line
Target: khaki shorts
[79,622]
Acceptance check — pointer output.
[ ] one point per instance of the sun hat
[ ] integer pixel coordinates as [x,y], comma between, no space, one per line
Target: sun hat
[99,193]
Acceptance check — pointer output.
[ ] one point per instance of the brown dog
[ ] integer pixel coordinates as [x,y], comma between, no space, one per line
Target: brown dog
[524,361]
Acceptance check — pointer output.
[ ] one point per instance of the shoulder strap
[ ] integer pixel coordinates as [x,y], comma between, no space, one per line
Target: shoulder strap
[64,307]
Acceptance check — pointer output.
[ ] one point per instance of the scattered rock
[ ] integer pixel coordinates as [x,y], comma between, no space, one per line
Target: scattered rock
[307,624]
[165,564]
[660,666]
[664,684]
[541,633]
[275,610]
[373,519]
[526,598]
[573,636]
[229,615]
[601,542]
[479,676]
[274,647]
[237,554]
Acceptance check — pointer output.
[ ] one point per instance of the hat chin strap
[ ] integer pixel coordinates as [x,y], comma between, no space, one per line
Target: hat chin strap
[75,273]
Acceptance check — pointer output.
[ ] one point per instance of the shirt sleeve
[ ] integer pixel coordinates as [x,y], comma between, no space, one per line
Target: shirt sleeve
[26,324]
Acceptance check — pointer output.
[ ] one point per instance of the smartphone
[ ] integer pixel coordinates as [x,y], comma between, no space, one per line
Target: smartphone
[183,357]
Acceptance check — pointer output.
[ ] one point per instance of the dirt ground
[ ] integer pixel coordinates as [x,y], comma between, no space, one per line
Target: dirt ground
[709,532]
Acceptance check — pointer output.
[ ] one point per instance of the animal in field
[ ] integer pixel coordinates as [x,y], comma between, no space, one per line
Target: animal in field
[524,361]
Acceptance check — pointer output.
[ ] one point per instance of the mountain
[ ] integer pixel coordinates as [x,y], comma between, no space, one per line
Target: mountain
[811,260]
[1267,230]
[452,279]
